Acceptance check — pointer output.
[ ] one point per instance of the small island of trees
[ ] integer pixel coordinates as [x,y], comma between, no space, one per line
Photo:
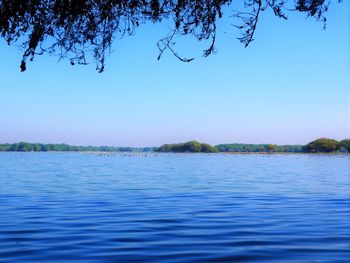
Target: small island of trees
[192,146]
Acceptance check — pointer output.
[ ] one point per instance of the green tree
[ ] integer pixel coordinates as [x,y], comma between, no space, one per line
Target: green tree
[345,145]
[192,146]
[324,145]
[271,148]
[24,147]
[206,148]
[36,147]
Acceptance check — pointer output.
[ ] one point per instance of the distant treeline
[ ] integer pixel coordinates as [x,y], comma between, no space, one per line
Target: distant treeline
[39,147]
[240,147]
[322,145]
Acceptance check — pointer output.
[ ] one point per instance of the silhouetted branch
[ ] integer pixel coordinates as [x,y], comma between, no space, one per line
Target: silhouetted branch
[76,29]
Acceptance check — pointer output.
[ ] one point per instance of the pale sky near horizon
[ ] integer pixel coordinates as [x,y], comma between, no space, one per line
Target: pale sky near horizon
[290,86]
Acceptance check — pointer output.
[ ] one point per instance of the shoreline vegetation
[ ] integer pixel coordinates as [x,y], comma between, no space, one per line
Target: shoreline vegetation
[322,145]
[40,147]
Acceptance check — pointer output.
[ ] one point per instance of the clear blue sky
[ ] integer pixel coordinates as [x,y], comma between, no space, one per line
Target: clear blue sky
[290,86]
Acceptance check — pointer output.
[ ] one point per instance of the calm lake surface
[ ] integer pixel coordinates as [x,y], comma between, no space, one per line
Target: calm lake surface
[76,207]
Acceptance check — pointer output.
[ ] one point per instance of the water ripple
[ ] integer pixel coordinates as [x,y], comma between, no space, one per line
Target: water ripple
[174,208]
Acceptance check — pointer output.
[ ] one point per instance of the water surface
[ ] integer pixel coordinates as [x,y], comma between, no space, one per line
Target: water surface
[73,207]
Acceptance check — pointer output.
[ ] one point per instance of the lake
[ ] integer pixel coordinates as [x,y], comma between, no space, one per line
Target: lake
[81,207]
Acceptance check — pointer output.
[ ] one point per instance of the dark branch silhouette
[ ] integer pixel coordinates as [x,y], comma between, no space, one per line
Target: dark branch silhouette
[75,29]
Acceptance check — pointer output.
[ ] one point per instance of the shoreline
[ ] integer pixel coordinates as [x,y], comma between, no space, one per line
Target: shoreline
[105,153]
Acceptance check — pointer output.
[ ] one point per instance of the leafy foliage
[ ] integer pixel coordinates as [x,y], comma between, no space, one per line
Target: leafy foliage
[344,145]
[77,28]
[192,147]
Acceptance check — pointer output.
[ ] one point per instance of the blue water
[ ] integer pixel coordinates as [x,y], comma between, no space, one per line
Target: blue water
[74,207]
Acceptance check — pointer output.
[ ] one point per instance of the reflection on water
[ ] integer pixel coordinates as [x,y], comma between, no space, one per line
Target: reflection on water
[72,207]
